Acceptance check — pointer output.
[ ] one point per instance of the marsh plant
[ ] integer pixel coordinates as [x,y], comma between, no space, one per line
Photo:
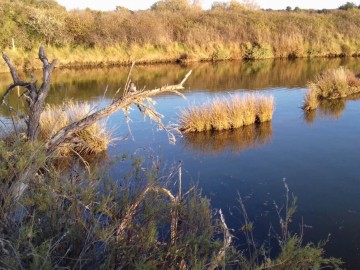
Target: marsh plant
[331,84]
[85,220]
[227,113]
[81,219]
[93,139]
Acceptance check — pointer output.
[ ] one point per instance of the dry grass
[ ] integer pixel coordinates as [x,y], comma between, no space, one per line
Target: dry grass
[223,114]
[311,101]
[94,139]
[264,108]
[331,84]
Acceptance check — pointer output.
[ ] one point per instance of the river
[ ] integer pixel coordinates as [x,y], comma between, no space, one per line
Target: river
[317,154]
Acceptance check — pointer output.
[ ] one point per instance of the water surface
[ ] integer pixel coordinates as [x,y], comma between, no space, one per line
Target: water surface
[317,153]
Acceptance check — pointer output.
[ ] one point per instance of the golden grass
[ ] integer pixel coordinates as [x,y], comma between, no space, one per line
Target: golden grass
[94,139]
[223,114]
[311,101]
[265,108]
[331,84]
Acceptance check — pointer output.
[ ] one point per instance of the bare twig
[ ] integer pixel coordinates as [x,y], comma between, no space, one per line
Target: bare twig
[136,98]
[227,242]
[34,96]
[130,213]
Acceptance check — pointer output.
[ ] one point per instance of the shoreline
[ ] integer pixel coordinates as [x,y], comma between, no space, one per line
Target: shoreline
[78,65]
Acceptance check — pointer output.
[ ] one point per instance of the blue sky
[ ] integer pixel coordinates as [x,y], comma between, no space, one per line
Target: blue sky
[145,4]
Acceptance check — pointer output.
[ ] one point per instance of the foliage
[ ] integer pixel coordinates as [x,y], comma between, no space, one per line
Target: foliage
[84,219]
[74,219]
[172,28]
[347,6]
[171,5]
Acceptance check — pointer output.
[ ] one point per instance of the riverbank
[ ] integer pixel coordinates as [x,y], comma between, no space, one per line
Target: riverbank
[181,33]
[79,57]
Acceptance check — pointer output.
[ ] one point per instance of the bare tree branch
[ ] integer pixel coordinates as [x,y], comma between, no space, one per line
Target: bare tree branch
[227,242]
[136,98]
[13,72]
[35,97]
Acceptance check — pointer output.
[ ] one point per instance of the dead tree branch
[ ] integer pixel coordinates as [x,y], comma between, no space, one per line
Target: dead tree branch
[130,213]
[227,242]
[137,98]
[34,96]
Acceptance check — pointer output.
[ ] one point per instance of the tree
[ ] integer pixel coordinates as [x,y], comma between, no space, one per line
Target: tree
[220,5]
[288,8]
[347,6]
[171,5]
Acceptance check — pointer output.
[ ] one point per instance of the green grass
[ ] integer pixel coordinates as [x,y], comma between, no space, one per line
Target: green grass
[83,219]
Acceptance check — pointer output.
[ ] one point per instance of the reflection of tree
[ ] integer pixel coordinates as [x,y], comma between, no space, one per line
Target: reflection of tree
[330,108]
[236,140]
[90,84]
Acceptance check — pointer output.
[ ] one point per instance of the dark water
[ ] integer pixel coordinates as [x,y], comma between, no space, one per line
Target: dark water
[317,154]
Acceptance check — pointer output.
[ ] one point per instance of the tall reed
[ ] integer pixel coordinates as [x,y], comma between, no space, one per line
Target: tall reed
[224,114]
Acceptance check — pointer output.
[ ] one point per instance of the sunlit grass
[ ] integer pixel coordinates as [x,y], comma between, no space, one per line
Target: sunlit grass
[331,84]
[93,139]
[223,114]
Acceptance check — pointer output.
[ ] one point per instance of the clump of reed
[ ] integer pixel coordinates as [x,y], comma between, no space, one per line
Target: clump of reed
[331,84]
[223,114]
[93,139]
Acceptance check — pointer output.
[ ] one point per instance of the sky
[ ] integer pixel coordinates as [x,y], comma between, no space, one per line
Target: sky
[206,4]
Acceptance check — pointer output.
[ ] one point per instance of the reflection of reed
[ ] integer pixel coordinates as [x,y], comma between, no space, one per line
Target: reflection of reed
[329,108]
[90,84]
[332,108]
[236,140]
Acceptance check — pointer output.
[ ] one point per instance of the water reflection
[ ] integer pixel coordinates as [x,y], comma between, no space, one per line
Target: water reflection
[237,140]
[92,84]
[332,109]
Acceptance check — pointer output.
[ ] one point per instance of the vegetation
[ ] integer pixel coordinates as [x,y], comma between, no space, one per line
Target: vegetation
[52,217]
[227,31]
[331,84]
[93,139]
[222,114]
[83,219]
[347,6]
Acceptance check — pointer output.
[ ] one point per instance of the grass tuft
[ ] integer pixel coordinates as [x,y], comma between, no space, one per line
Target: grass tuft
[331,84]
[224,114]
[94,139]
